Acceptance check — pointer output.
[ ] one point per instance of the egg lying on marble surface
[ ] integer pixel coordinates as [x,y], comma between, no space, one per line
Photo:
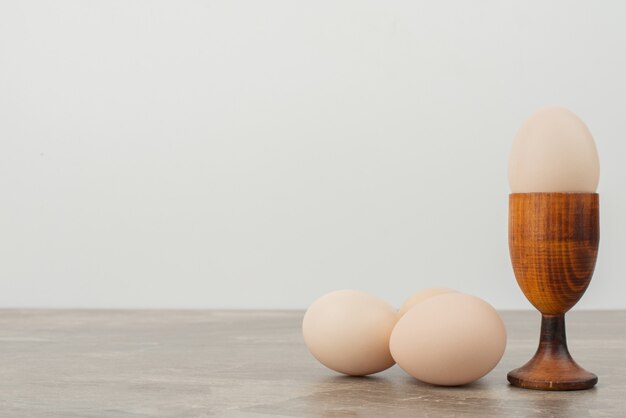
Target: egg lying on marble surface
[450,340]
[421,296]
[554,152]
[348,331]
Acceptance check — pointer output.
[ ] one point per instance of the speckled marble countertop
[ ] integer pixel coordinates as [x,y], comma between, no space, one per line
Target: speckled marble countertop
[78,363]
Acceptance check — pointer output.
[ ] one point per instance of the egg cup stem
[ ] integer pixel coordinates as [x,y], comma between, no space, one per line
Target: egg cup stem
[553,241]
[552,367]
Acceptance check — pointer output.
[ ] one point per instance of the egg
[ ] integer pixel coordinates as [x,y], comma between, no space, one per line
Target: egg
[348,331]
[450,340]
[421,296]
[554,152]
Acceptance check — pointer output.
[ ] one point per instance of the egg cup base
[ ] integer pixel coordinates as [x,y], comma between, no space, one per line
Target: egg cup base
[552,367]
[533,377]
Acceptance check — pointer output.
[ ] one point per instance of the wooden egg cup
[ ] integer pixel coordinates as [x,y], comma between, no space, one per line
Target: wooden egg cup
[553,241]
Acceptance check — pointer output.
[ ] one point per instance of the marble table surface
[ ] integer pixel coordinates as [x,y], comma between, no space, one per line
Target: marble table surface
[82,363]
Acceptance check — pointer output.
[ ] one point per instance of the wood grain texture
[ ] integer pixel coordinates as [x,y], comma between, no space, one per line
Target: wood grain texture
[248,364]
[553,242]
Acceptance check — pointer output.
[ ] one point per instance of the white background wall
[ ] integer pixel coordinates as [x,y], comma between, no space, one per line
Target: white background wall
[257,154]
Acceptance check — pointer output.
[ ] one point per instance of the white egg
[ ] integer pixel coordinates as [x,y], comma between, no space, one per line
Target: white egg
[348,331]
[554,152]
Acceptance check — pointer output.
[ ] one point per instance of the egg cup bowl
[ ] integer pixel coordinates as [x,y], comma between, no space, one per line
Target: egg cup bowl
[553,242]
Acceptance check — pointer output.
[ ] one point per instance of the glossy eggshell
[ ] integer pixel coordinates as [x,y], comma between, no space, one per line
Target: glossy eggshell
[452,339]
[348,331]
[554,151]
